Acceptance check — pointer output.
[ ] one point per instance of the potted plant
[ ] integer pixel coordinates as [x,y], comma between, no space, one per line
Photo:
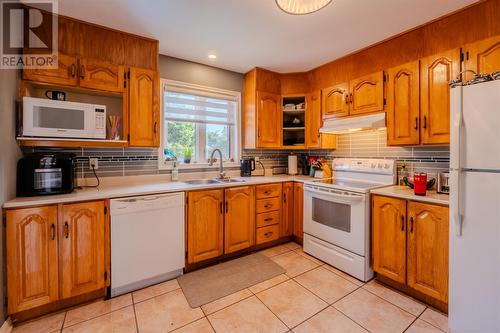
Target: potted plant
[187,155]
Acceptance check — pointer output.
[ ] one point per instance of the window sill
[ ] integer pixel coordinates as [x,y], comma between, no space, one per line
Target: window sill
[164,165]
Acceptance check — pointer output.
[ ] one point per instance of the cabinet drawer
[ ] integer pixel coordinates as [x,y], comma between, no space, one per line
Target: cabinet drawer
[268,205]
[267,234]
[268,191]
[266,219]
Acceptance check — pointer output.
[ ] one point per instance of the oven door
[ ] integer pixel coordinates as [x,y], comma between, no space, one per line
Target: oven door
[48,118]
[336,216]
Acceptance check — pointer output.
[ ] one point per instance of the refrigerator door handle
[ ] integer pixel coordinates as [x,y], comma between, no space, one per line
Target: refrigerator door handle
[456,204]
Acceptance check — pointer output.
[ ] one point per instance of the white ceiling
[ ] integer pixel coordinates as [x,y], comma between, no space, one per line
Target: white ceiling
[249,33]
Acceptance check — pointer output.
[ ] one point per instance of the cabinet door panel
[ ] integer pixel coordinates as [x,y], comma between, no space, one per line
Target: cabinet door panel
[334,100]
[287,210]
[239,222]
[82,248]
[367,94]
[144,113]
[483,57]
[428,249]
[100,75]
[65,74]
[268,120]
[389,237]
[205,225]
[403,108]
[298,210]
[435,73]
[32,258]
[313,120]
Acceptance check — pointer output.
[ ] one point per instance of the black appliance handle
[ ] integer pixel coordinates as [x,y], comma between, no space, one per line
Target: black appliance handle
[252,164]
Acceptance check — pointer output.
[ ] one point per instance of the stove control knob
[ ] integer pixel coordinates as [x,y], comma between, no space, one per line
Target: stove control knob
[379,166]
[386,166]
[373,165]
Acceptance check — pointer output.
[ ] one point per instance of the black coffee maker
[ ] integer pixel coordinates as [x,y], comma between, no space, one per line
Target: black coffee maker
[247,165]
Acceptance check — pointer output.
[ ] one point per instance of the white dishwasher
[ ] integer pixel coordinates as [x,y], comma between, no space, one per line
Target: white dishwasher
[147,241]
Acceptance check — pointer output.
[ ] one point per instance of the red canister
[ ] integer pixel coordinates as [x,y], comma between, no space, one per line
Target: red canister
[420,183]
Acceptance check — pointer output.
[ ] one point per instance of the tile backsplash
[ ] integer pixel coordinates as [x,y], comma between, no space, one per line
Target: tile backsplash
[369,144]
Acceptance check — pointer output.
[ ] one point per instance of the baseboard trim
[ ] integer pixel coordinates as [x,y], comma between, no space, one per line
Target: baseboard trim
[6,326]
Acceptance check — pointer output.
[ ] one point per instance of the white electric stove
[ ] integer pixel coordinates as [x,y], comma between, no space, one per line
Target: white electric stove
[337,213]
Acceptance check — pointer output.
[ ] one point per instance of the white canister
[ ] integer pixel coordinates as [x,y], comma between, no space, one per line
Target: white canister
[292,164]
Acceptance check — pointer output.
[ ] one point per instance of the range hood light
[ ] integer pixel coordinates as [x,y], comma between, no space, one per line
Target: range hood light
[353,124]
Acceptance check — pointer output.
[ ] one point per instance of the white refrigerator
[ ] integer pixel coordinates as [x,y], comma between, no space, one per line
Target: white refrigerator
[474,281]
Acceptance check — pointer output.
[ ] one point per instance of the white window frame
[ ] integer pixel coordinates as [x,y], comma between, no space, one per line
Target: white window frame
[217,93]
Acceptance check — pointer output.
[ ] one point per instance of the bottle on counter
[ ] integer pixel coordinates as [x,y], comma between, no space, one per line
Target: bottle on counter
[175,172]
[402,174]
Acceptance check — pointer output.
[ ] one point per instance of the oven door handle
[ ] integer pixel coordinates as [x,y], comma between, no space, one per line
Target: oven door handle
[352,197]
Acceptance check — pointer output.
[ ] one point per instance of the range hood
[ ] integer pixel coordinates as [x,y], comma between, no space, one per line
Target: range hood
[353,124]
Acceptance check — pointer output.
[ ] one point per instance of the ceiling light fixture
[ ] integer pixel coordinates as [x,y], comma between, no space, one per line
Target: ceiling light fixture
[212,56]
[301,7]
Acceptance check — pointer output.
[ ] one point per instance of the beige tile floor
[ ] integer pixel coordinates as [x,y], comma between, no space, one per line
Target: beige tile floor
[310,297]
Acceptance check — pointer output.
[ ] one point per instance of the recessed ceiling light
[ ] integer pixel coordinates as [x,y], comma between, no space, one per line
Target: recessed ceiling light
[301,7]
[212,56]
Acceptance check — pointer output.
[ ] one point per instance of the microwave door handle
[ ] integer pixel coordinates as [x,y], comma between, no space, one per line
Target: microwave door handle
[352,197]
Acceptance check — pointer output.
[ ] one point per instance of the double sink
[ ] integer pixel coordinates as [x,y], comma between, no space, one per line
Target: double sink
[214,181]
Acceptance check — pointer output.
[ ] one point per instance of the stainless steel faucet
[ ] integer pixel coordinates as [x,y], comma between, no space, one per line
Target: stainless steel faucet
[222,174]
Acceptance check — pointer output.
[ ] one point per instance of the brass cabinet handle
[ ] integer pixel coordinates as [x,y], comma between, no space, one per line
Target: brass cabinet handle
[416,123]
[425,121]
[411,224]
[220,207]
[284,197]
[82,72]
[347,99]
[351,98]
[268,234]
[66,229]
[268,206]
[268,219]
[53,231]
[227,206]
[402,223]
[267,192]
[72,70]
[156,127]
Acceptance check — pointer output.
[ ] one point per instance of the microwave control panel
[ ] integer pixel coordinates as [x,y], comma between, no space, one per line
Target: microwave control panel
[100,120]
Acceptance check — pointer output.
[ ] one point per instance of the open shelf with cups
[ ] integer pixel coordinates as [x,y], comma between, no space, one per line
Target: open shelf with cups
[294,117]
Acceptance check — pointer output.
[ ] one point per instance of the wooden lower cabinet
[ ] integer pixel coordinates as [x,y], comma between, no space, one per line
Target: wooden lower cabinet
[428,231]
[410,245]
[205,225]
[298,210]
[82,248]
[239,218]
[32,258]
[55,252]
[287,208]
[389,237]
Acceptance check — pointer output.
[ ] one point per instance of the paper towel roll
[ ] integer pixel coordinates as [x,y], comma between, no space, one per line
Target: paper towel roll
[292,164]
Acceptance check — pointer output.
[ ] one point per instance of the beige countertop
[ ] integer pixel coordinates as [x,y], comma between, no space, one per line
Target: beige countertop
[405,192]
[139,186]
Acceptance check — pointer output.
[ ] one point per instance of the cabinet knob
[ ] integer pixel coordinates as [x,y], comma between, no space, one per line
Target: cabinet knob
[268,219]
[53,231]
[268,234]
[402,223]
[66,229]
[416,123]
[82,72]
[425,122]
[411,224]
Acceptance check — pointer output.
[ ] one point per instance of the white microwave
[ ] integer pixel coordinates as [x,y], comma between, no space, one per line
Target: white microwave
[49,118]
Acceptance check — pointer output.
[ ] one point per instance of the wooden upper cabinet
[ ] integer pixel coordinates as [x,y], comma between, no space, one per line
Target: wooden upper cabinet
[205,225]
[268,120]
[32,258]
[403,104]
[144,108]
[389,237]
[483,57]
[313,120]
[335,101]
[100,75]
[287,207]
[65,74]
[298,210]
[367,94]
[428,227]
[239,222]
[435,73]
[82,248]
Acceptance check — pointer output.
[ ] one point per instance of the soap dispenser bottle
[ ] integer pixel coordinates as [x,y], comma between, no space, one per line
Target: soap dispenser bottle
[175,172]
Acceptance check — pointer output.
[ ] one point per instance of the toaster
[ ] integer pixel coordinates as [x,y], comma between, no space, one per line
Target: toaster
[443,183]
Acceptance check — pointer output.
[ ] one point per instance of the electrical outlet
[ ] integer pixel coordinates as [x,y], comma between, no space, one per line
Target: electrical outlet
[257,158]
[93,162]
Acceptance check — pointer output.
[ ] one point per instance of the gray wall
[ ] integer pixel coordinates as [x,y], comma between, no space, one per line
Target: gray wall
[9,151]
[192,72]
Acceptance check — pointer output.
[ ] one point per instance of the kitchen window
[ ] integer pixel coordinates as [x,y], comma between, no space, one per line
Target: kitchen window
[197,120]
